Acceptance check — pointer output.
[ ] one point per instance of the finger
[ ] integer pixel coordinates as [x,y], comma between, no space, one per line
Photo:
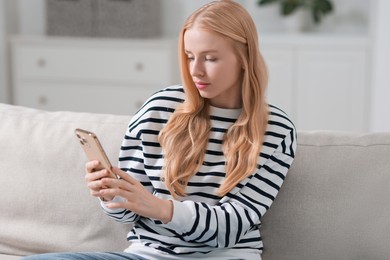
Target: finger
[94,193]
[99,185]
[118,184]
[113,192]
[117,205]
[95,185]
[91,165]
[123,175]
[96,175]
[109,182]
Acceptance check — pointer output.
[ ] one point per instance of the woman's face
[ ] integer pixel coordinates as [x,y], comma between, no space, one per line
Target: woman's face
[214,67]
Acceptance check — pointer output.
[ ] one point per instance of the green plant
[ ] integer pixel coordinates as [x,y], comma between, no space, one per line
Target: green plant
[318,8]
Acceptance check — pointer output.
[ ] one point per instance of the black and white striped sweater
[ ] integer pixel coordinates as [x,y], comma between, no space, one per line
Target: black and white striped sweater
[203,221]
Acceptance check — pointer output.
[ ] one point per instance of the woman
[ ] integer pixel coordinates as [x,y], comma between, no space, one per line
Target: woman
[201,164]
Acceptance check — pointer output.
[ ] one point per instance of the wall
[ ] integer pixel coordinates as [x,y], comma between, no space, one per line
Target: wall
[350,16]
[32,16]
[4,90]
[381,63]
[175,12]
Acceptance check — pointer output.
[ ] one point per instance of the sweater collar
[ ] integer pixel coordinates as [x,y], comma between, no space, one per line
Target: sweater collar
[225,112]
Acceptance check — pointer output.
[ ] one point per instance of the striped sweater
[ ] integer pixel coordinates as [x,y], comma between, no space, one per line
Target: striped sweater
[202,221]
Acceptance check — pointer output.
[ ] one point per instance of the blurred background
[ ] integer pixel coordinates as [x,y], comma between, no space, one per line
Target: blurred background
[109,56]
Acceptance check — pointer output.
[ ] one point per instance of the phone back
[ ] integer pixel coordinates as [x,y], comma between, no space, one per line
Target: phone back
[92,148]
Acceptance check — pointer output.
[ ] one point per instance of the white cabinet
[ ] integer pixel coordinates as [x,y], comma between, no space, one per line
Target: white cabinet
[103,76]
[322,82]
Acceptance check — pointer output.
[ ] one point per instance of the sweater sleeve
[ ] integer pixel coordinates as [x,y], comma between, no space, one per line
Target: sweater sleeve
[140,144]
[131,161]
[224,224]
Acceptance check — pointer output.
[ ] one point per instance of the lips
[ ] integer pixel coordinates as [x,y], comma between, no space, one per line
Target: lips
[201,85]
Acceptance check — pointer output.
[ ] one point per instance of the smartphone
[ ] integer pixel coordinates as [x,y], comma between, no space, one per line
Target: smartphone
[93,149]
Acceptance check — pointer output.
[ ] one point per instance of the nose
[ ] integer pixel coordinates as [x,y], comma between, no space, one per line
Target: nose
[196,68]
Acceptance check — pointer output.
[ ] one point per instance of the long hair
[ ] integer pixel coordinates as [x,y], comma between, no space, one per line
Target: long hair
[185,137]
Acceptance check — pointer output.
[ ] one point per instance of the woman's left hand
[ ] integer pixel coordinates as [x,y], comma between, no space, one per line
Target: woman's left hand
[137,198]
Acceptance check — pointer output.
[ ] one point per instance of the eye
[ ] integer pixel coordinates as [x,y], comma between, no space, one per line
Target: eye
[190,58]
[210,59]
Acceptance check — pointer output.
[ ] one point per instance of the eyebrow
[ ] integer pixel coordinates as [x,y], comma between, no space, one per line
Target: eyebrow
[203,52]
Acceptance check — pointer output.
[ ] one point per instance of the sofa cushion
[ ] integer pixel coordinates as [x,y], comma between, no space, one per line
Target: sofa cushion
[45,204]
[335,202]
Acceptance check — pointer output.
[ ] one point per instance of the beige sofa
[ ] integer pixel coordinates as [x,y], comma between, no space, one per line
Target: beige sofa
[335,203]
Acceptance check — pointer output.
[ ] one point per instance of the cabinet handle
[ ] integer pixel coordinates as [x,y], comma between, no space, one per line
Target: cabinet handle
[42,100]
[41,62]
[139,66]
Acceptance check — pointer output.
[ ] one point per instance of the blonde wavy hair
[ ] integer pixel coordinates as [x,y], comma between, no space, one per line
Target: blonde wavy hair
[185,137]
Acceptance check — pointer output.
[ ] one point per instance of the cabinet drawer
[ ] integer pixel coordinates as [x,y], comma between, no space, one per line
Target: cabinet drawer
[91,63]
[124,100]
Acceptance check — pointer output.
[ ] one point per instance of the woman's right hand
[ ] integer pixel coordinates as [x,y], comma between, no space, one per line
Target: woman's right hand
[94,179]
